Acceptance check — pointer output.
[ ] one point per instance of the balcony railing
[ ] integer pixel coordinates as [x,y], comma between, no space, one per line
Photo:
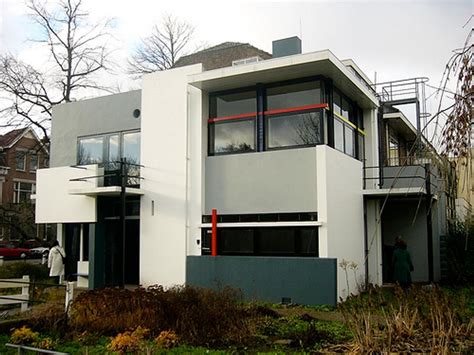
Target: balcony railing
[406,172]
[113,174]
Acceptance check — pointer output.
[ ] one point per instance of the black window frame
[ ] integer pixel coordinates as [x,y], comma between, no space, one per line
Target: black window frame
[258,239]
[260,132]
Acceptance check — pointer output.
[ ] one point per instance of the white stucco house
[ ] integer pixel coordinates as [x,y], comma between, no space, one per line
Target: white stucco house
[264,175]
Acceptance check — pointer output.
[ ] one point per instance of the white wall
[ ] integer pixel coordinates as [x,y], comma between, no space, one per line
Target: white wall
[374,241]
[55,204]
[340,209]
[166,172]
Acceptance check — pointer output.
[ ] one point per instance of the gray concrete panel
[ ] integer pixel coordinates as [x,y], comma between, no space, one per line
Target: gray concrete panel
[272,181]
[404,176]
[308,281]
[100,115]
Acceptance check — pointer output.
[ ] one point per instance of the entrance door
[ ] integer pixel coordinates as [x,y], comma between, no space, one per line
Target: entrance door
[72,248]
[114,252]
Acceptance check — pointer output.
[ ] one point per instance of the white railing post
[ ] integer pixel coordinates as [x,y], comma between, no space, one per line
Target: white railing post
[69,295]
[25,292]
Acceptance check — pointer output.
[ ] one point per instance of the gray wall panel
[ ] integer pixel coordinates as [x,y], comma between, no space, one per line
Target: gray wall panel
[105,114]
[275,181]
[308,281]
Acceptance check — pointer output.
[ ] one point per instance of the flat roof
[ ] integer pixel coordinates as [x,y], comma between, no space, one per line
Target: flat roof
[285,68]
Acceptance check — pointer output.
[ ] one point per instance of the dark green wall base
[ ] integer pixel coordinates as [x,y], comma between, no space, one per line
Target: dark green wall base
[307,281]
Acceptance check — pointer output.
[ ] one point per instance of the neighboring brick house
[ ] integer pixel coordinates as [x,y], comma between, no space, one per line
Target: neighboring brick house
[223,55]
[21,154]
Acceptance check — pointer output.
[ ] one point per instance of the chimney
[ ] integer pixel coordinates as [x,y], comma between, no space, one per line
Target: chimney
[286,46]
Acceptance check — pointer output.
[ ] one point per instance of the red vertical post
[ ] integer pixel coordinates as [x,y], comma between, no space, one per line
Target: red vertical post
[214,233]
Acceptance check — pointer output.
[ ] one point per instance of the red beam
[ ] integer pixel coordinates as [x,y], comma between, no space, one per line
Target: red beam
[233,117]
[294,109]
[214,233]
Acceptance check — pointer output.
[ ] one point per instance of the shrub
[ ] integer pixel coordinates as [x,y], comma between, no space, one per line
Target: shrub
[124,343]
[424,320]
[167,339]
[45,343]
[18,269]
[49,317]
[197,316]
[24,335]
[128,341]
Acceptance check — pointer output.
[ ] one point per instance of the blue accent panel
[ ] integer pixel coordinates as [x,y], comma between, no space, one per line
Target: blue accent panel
[308,281]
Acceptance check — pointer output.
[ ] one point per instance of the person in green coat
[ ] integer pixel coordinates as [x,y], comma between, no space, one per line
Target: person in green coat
[401,264]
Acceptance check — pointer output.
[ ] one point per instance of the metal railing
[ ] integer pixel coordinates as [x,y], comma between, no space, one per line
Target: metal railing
[402,176]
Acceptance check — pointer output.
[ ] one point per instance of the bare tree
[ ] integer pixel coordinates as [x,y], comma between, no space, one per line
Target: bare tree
[456,133]
[163,47]
[78,51]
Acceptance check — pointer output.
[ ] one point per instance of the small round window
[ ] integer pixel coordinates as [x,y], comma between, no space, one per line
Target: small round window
[136,113]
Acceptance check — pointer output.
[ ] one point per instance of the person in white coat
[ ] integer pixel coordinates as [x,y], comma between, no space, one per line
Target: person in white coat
[55,261]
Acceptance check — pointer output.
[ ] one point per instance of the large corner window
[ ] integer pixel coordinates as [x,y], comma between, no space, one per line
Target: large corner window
[295,129]
[22,191]
[294,115]
[232,122]
[346,120]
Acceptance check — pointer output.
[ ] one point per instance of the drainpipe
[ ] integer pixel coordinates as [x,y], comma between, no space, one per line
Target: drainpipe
[214,233]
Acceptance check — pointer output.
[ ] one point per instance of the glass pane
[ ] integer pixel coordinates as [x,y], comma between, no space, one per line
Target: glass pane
[294,129]
[349,136]
[337,102]
[114,149]
[234,136]
[345,108]
[131,147]
[20,160]
[90,150]
[235,241]
[277,241]
[33,162]
[309,241]
[361,155]
[338,135]
[393,152]
[234,104]
[294,95]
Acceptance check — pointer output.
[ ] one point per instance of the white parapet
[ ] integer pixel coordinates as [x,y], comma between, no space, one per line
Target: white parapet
[54,201]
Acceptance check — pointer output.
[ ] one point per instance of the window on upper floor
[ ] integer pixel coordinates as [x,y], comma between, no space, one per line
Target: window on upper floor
[90,150]
[232,122]
[20,160]
[293,116]
[274,116]
[33,162]
[109,148]
[348,133]
[393,152]
[22,191]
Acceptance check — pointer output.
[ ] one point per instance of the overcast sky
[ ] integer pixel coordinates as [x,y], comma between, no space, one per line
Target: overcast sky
[396,39]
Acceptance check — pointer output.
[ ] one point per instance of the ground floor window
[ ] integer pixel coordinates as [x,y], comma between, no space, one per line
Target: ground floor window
[263,241]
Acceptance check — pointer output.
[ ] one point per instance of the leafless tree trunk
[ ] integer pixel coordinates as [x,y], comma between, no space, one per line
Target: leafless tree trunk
[163,47]
[78,51]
